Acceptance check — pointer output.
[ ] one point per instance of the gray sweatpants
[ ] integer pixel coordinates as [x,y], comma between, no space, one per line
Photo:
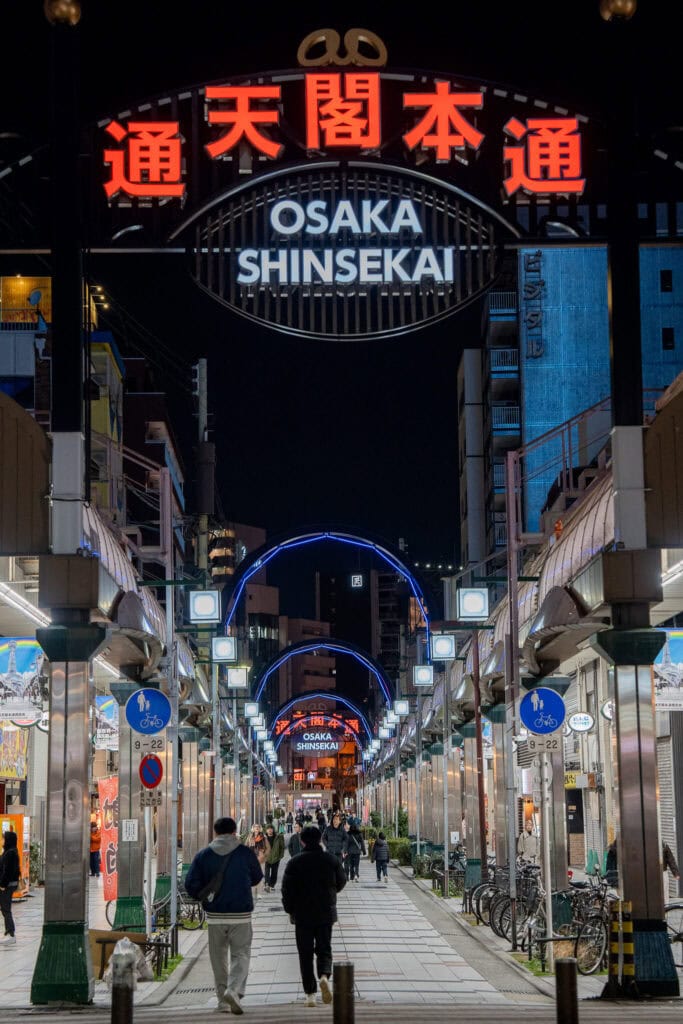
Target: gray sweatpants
[233,940]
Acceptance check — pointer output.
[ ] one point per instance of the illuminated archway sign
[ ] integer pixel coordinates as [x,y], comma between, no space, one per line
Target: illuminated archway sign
[320,695]
[342,202]
[260,558]
[326,644]
[313,734]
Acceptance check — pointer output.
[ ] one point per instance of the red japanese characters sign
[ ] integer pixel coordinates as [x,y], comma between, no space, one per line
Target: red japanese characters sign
[343,113]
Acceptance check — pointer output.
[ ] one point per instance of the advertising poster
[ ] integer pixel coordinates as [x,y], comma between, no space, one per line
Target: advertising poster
[108,790]
[13,751]
[106,723]
[21,660]
[668,673]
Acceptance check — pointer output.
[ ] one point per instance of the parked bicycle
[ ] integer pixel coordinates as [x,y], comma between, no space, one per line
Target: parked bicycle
[673,913]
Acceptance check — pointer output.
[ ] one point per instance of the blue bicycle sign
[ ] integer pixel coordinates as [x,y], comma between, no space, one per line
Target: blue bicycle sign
[148,711]
[542,711]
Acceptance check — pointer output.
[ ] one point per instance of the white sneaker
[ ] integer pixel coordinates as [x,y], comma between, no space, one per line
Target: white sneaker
[9,941]
[386,879]
[309,1000]
[233,1001]
[325,990]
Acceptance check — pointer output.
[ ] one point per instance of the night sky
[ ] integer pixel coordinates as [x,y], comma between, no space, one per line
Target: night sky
[360,436]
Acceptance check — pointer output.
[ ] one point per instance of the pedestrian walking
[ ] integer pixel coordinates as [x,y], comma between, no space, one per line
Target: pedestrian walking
[95,848]
[294,846]
[10,873]
[274,854]
[334,838]
[380,856]
[310,885]
[228,913]
[345,861]
[256,840]
[527,844]
[290,823]
[355,847]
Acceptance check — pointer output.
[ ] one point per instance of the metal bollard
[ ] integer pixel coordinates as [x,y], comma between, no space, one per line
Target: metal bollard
[566,999]
[123,985]
[342,991]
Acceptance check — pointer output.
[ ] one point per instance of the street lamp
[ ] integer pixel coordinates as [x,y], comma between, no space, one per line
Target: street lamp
[223,649]
[205,606]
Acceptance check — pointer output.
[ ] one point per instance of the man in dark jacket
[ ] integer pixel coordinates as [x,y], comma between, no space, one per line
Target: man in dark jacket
[310,885]
[10,872]
[334,838]
[229,913]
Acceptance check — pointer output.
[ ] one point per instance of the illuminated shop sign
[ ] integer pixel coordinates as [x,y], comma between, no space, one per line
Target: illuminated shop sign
[316,743]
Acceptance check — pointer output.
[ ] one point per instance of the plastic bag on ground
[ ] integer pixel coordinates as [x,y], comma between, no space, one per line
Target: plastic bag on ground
[142,969]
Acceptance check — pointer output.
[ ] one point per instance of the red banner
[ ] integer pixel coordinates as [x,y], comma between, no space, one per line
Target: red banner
[109,810]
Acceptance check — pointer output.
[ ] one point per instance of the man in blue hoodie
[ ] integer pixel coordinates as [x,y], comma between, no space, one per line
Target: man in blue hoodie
[228,914]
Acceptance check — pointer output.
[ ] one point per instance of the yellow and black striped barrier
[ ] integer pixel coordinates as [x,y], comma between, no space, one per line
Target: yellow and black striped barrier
[628,960]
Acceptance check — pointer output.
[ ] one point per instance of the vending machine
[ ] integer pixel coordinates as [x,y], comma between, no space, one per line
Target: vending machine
[21,824]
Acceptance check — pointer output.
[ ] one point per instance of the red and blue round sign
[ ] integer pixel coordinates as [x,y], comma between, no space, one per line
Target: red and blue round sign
[151,771]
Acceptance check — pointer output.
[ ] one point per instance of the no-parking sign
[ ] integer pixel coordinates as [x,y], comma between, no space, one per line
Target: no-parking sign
[151,771]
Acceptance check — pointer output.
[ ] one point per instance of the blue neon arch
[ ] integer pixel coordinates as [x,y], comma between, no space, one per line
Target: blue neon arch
[328,718]
[327,644]
[260,558]
[326,696]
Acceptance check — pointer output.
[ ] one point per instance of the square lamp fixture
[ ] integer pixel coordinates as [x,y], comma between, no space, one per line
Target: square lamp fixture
[375,744]
[238,678]
[423,675]
[391,718]
[383,732]
[473,603]
[258,722]
[251,709]
[223,648]
[205,606]
[261,734]
[268,745]
[401,708]
[443,646]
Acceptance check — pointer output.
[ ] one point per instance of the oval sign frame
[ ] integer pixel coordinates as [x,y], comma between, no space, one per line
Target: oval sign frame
[582,715]
[244,233]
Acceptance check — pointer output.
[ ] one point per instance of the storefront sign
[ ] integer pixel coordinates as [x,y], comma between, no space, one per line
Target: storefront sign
[581,721]
[106,733]
[668,673]
[108,790]
[21,660]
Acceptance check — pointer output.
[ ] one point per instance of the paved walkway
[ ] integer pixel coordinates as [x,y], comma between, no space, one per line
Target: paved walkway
[415,957]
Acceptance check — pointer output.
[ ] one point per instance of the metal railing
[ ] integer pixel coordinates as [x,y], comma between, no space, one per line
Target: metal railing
[505,417]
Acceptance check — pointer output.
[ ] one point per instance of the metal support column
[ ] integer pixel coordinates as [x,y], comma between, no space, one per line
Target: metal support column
[130,907]
[63,970]
[191,842]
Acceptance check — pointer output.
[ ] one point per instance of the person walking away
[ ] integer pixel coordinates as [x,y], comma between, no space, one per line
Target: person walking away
[334,838]
[290,823]
[95,848]
[527,844]
[275,853]
[380,856]
[310,885]
[257,842]
[294,846]
[354,848]
[228,914]
[345,863]
[10,873]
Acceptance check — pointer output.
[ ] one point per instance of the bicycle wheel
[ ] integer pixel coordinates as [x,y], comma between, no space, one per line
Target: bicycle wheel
[498,904]
[534,928]
[482,906]
[190,915]
[110,912]
[591,945]
[521,915]
[674,927]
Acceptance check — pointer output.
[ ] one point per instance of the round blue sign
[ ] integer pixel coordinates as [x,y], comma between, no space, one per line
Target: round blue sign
[542,711]
[148,711]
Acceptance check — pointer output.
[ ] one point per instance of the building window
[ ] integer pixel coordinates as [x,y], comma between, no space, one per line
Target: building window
[668,340]
[666,283]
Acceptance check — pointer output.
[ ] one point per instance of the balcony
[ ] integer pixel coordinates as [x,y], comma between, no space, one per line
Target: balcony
[502,304]
[498,477]
[505,419]
[504,362]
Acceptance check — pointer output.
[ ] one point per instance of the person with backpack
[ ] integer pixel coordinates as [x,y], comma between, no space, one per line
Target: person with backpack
[355,847]
[221,876]
[380,856]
